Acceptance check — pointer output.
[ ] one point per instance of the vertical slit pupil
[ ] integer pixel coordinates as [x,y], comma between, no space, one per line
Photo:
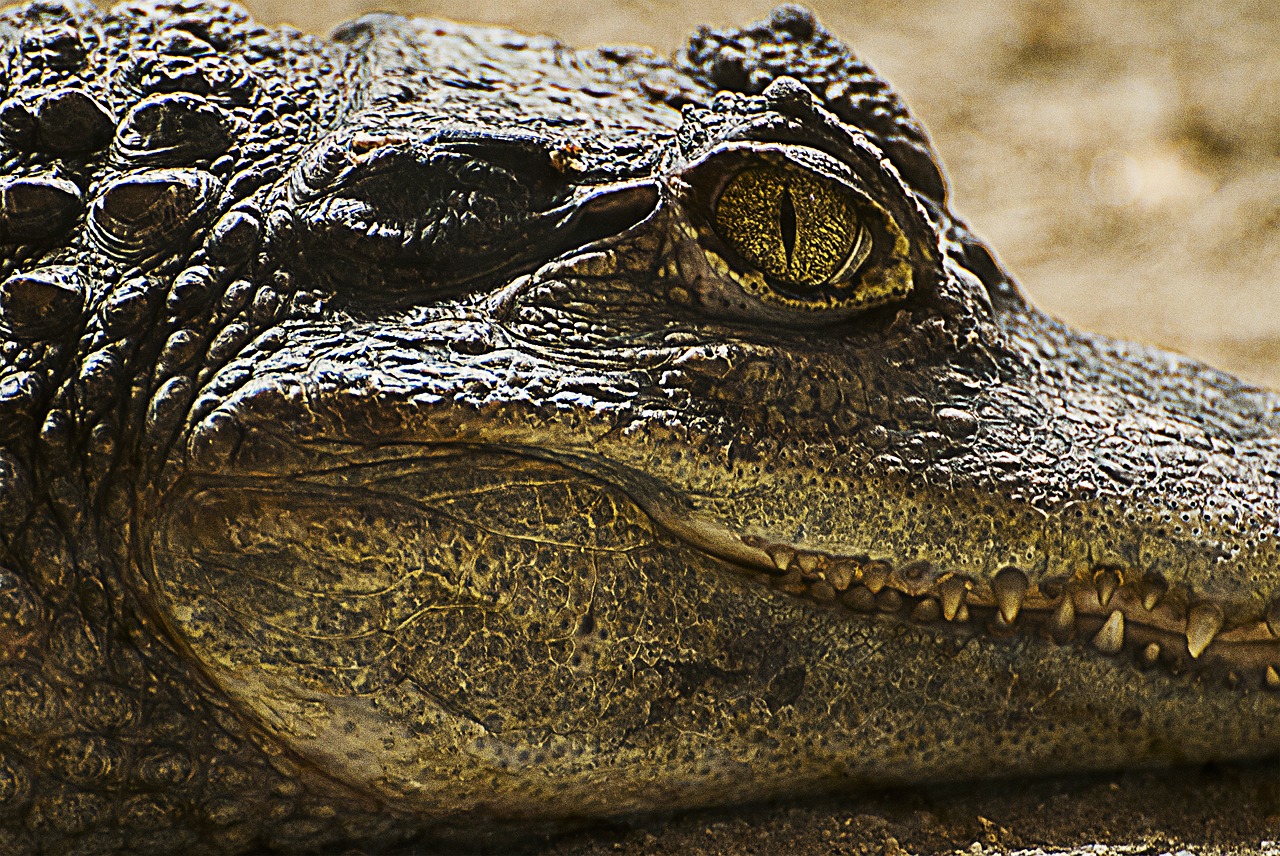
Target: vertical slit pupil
[787,222]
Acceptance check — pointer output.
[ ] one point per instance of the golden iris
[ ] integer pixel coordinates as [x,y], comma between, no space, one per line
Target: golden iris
[797,227]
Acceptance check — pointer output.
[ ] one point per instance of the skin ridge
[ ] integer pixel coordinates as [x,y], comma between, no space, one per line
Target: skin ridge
[389,454]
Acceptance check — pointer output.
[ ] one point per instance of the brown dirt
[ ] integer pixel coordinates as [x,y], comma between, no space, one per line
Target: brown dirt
[1124,160]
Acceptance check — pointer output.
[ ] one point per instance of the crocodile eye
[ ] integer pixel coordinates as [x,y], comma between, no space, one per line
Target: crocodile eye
[801,230]
[790,233]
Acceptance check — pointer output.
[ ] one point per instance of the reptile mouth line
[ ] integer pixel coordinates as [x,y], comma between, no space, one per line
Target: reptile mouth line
[1110,610]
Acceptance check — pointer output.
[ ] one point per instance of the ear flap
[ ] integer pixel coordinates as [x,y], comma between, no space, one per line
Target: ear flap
[792,43]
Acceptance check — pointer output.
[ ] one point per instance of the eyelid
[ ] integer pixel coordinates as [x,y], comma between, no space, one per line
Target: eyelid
[721,165]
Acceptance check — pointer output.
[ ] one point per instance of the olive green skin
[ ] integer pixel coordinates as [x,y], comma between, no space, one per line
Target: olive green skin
[417,460]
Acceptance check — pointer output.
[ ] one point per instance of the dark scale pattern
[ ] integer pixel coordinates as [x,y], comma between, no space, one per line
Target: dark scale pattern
[108,741]
[791,43]
[388,454]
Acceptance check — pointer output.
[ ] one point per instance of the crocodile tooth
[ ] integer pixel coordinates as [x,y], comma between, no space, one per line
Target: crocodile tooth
[1203,623]
[889,600]
[1107,582]
[859,599]
[951,591]
[822,591]
[1152,590]
[875,576]
[808,562]
[1151,653]
[962,614]
[1009,588]
[926,611]
[1273,617]
[840,575]
[1063,621]
[781,557]
[1272,678]
[1110,639]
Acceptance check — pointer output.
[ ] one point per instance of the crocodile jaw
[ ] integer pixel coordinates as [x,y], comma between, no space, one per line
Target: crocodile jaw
[460,659]
[706,653]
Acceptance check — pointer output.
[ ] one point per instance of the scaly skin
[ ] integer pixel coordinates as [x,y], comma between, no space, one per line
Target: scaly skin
[393,448]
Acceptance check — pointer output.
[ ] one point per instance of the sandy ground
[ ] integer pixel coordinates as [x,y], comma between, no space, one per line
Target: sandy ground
[1124,161]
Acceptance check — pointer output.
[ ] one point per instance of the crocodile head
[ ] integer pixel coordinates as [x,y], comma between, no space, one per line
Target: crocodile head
[539,433]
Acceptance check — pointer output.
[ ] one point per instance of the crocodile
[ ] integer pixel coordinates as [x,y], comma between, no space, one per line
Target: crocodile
[435,430]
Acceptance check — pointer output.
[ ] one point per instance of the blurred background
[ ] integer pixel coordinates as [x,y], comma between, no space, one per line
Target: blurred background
[1122,158]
